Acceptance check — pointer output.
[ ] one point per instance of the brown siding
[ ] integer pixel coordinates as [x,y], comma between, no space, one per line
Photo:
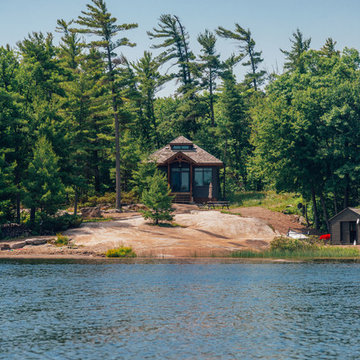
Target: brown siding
[335,225]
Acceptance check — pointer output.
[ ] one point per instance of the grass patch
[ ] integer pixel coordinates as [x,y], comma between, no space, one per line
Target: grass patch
[61,240]
[319,252]
[96,220]
[230,213]
[287,248]
[284,202]
[121,252]
[168,225]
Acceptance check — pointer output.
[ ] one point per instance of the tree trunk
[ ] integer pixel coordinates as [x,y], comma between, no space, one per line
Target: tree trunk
[325,213]
[32,216]
[224,178]
[346,193]
[18,211]
[18,187]
[96,172]
[335,203]
[76,201]
[185,49]
[117,133]
[117,162]
[212,115]
[306,216]
[315,212]
[253,69]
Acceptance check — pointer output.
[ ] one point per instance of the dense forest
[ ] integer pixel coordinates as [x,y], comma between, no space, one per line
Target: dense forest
[78,118]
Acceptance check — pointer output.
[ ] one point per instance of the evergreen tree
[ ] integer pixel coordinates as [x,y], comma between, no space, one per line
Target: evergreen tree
[329,48]
[294,57]
[42,185]
[210,67]
[149,81]
[7,190]
[234,127]
[99,22]
[141,177]
[176,47]
[157,199]
[14,127]
[247,48]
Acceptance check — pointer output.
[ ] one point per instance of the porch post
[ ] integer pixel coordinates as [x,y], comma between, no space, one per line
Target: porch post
[168,174]
[191,182]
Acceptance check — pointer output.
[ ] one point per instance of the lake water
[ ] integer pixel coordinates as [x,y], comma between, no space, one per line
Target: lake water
[220,311]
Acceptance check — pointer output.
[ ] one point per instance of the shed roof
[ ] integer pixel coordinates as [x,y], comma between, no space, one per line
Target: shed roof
[197,155]
[356,211]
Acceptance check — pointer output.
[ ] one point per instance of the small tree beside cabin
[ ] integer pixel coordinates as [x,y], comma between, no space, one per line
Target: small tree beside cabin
[157,199]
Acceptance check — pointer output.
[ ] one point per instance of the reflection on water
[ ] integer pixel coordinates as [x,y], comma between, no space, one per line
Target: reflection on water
[239,311]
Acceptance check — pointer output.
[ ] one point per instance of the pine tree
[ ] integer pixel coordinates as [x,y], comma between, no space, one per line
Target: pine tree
[247,48]
[42,185]
[176,47]
[7,190]
[148,82]
[329,48]
[88,116]
[233,127]
[99,22]
[141,177]
[210,67]
[294,57]
[157,199]
[14,126]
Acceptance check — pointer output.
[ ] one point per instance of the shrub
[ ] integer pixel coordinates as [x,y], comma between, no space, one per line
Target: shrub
[46,224]
[121,252]
[157,199]
[289,244]
[61,240]
[110,198]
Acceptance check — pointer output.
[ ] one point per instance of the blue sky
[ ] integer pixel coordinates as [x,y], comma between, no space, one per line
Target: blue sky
[271,22]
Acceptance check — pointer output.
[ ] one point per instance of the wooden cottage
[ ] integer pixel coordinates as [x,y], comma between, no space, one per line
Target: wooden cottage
[192,173]
[345,227]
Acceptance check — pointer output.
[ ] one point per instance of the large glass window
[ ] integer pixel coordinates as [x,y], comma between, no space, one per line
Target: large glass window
[203,176]
[180,178]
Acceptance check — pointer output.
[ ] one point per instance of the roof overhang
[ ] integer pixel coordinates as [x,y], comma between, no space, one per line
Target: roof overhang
[344,210]
[178,156]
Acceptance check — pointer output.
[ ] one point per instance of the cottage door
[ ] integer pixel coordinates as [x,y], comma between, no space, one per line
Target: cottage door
[180,177]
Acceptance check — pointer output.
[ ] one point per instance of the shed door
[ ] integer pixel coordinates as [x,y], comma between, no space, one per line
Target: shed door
[348,232]
[352,231]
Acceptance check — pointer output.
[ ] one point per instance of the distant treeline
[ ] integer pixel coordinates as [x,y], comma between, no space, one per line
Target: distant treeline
[77,118]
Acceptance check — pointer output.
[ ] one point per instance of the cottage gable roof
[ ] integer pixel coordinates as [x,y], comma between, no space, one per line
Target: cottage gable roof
[197,155]
[181,140]
[354,210]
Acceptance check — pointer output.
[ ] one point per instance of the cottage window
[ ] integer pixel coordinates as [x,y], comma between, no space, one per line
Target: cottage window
[181,147]
[203,176]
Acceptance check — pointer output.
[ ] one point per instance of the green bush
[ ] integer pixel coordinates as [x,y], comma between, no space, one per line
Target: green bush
[289,244]
[110,198]
[61,240]
[121,252]
[45,224]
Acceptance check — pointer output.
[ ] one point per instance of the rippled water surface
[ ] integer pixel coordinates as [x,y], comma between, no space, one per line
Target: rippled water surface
[238,311]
